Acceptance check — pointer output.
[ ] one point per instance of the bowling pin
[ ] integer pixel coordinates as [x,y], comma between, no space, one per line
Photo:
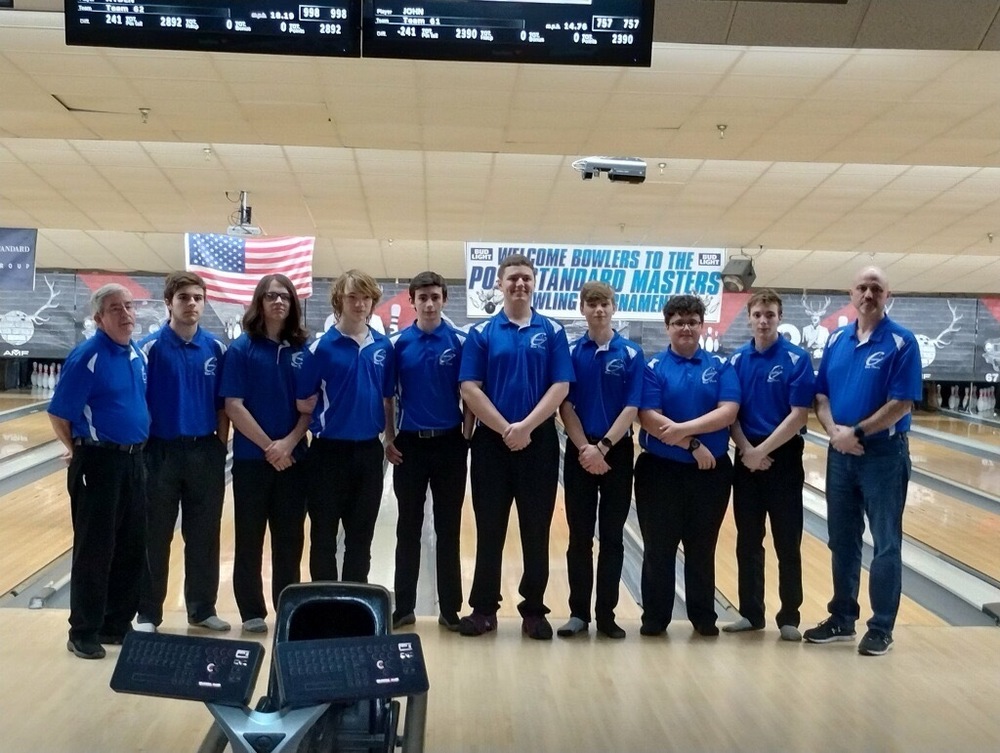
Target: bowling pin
[50,381]
[394,312]
[58,372]
[953,398]
[34,373]
[965,398]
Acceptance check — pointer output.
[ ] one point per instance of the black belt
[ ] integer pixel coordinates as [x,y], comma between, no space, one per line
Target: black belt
[186,440]
[129,448]
[431,433]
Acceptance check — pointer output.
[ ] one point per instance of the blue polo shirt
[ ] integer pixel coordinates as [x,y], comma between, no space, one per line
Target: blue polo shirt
[686,388]
[859,378]
[102,391]
[352,380]
[516,365]
[773,382]
[260,372]
[183,386]
[427,384]
[608,379]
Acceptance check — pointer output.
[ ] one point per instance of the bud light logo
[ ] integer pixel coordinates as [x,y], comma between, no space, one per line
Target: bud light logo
[710,260]
[481,254]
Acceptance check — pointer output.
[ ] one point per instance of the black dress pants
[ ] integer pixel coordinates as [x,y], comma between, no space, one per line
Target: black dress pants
[529,478]
[678,503]
[604,501]
[440,463]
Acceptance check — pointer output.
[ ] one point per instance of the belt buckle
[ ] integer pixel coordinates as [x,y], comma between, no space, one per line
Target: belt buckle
[425,433]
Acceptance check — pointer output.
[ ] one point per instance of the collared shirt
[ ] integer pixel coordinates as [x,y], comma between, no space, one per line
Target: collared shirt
[260,372]
[183,386]
[608,379]
[686,388]
[427,383]
[773,381]
[352,380]
[859,378]
[102,392]
[516,364]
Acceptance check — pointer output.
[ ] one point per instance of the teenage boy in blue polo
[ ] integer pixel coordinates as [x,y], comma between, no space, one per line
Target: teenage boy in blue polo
[868,380]
[350,368]
[99,413]
[429,449]
[778,387]
[515,374]
[598,415]
[186,455]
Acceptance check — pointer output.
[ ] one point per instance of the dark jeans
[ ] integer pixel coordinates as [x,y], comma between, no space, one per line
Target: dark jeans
[345,486]
[583,512]
[775,494]
[873,484]
[678,503]
[189,476]
[266,498]
[441,463]
[107,491]
[529,478]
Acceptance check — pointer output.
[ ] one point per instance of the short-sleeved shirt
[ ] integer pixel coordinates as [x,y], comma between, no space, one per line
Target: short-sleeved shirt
[609,378]
[102,392]
[859,378]
[683,389]
[773,381]
[260,372]
[352,380]
[515,364]
[427,385]
[183,386]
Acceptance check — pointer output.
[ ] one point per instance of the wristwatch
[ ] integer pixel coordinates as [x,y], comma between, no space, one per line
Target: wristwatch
[607,443]
[859,433]
[694,444]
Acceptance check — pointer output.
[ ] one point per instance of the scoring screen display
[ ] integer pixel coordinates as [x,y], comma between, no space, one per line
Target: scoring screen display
[587,32]
[332,28]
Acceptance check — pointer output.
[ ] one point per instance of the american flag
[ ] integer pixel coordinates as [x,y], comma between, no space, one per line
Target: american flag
[232,266]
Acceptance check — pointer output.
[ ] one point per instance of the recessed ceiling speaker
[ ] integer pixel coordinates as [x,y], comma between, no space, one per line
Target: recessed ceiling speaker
[738,274]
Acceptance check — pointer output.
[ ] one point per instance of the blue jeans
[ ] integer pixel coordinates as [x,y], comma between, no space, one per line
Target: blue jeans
[873,484]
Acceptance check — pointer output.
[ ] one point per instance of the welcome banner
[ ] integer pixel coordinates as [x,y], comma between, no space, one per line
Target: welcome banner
[17,258]
[643,277]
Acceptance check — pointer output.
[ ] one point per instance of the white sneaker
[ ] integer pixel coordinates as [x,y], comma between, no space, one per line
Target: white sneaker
[141,626]
[212,623]
[255,625]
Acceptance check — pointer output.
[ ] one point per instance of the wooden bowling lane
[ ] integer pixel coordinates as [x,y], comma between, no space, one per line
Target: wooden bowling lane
[13,399]
[964,532]
[35,528]
[24,433]
[988,433]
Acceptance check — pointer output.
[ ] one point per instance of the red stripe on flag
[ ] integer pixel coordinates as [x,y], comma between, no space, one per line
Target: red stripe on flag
[287,255]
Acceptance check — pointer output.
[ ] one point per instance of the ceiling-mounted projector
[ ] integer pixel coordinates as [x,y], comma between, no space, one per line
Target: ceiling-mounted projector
[245,230]
[625,169]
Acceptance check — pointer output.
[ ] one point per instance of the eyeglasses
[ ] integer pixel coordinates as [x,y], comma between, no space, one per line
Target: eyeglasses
[271,297]
[687,324]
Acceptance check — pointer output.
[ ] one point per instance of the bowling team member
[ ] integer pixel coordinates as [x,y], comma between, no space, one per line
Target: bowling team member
[186,456]
[269,446]
[350,368]
[683,477]
[515,373]
[598,417]
[868,380]
[778,387]
[99,413]
[429,449]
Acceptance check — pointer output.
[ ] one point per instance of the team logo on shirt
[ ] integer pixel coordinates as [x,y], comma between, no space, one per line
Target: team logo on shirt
[210,366]
[775,374]
[539,340]
[297,360]
[447,356]
[615,366]
[710,375]
[379,356]
[874,361]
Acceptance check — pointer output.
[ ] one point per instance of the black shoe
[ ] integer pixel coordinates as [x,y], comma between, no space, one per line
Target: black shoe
[651,629]
[85,649]
[708,631]
[449,621]
[537,628]
[110,639]
[828,632]
[403,620]
[875,643]
[477,623]
[610,629]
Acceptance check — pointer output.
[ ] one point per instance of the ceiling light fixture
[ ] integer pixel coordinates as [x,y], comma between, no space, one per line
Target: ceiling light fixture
[722,130]
[144,115]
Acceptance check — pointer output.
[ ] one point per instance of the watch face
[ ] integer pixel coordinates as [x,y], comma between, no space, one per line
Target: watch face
[606,442]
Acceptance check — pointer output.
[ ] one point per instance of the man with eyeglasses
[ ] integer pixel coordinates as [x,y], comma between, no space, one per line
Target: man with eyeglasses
[868,380]
[99,413]
[683,476]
